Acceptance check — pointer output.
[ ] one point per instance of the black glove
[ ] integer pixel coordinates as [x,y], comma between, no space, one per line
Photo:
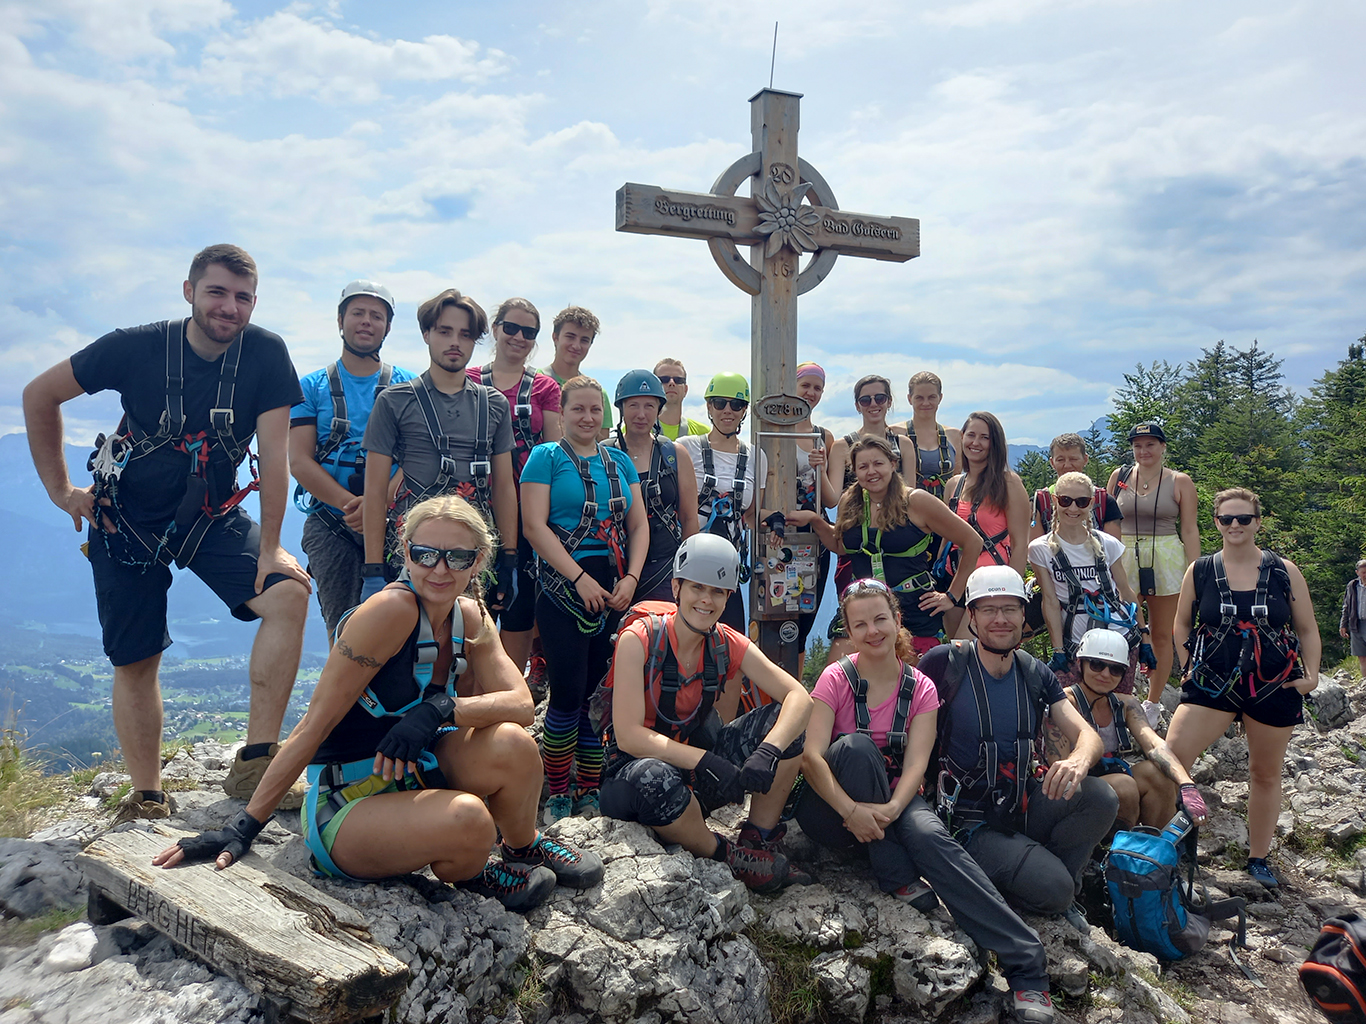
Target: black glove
[415,731]
[505,579]
[1058,663]
[1146,657]
[721,777]
[234,838]
[757,774]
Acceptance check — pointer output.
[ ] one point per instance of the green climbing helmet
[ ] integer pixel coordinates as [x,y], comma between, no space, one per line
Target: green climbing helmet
[639,382]
[728,385]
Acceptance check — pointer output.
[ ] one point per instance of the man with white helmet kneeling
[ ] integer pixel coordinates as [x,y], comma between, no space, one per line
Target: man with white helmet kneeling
[669,759]
[1031,836]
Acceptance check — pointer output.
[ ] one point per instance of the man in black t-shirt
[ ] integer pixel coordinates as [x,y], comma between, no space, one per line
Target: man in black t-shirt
[1031,837]
[194,392]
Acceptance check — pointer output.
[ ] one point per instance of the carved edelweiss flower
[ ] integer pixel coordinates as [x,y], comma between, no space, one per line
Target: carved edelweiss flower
[784,220]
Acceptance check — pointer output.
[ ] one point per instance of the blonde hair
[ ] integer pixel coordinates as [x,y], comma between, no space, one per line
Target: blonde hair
[1093,544]
[1239,494]
[451,508]
[896,508]
[577,384]
[905,647]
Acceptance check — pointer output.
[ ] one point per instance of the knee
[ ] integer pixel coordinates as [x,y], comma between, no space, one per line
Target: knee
[469,836]
[516,749]
[1043,885]
[853,746]
[288,602]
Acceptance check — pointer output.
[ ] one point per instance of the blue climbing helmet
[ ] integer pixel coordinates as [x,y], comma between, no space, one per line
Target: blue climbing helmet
[639,382]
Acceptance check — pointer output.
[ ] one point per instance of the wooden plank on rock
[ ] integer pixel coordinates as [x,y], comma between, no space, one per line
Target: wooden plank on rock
[277,935]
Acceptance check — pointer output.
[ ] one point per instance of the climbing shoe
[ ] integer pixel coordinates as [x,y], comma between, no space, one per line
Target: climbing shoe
[1258,868]
[138,804]
[575,868]
[752,840]
[1032,1007]
[918,895]
[517,887]
[537,678]
[556,807]
[760,870]
[245,776]
[586,804]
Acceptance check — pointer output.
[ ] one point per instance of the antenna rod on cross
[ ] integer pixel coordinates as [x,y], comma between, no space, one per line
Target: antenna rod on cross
[773,63]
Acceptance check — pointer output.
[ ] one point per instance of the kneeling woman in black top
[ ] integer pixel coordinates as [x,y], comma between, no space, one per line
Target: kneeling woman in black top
[413,759]
[887,530]
[1246,618]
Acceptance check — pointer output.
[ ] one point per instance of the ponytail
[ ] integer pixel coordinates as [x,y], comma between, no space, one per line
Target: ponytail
[905,647]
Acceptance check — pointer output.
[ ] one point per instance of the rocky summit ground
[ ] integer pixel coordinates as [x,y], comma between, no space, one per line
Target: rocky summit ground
[666,937]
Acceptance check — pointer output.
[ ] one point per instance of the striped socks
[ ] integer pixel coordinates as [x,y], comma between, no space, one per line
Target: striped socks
[558,739]
[589,757]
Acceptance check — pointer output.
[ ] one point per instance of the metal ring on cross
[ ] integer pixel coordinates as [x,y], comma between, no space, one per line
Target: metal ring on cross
[727,256]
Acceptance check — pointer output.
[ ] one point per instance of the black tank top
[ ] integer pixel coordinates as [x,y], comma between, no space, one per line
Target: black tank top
[358,733]
[898,569]
[1223,659]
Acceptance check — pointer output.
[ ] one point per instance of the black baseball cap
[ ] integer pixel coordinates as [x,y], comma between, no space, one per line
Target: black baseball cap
[1153,429]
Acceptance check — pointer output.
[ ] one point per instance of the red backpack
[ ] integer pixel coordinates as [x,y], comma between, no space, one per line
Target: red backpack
[663,681]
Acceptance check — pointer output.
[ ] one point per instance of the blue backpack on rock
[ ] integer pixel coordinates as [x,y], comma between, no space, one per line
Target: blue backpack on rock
[1156,907]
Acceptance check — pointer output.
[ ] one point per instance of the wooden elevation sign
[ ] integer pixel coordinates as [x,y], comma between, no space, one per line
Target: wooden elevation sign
[300,949]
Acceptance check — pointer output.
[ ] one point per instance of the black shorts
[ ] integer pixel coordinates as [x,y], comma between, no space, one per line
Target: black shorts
[132,599]
[1274,706]
[656,793]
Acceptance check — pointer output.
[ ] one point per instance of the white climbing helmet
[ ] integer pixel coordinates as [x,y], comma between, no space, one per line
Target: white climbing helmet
[995,581]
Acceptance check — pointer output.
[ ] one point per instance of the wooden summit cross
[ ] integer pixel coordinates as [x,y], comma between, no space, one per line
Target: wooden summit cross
[791,211]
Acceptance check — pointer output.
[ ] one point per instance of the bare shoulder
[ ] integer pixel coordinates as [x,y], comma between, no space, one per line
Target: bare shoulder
[478,625]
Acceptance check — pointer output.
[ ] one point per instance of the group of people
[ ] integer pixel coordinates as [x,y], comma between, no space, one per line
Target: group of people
[468,527]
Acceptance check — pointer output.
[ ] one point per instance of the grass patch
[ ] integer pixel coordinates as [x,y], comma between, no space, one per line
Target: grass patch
[1352,755]
[111,802]
[15,932]
[1182,993]
[25,791]
[1314,842]
[794,996]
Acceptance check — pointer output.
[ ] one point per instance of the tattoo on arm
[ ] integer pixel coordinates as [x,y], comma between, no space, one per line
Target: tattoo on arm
[360,659]
[1166,763]
[1056,745]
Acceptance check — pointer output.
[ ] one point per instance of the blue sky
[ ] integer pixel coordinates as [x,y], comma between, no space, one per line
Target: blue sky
[1098,182]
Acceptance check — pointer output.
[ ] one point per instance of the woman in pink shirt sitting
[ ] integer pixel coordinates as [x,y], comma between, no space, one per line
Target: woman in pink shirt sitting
[873,722]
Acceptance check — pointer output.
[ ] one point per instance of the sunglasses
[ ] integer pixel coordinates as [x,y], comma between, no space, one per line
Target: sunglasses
[735,404]
[1230,520]
[867,400]
[457,559]
[673,380]
[511,330]
[1117,671]
[865,586]
[1066,501]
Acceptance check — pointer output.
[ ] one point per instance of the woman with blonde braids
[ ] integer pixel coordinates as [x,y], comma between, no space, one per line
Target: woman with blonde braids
[412,760]
[885,530]
[1081,574]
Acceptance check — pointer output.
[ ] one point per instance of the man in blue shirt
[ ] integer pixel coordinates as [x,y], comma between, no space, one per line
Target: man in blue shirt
[325,451]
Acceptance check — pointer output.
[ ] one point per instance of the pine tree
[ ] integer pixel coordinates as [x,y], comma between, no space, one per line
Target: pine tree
[1035,471]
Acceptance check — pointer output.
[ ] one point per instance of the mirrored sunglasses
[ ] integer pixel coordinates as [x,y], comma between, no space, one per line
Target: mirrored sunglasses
[457,559]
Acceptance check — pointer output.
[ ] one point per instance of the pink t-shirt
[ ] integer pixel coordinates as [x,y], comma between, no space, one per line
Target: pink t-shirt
[834,691]
[545,397]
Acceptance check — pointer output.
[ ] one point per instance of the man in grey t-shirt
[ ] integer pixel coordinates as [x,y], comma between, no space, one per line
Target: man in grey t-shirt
[449,436]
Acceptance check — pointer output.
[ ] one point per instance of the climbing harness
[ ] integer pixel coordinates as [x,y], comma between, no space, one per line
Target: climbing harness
[894,750]
[523,438]
[726,512]
[1258,635]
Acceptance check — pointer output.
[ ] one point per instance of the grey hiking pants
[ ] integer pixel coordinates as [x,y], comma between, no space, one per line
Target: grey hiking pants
[1039,870]
[918,845]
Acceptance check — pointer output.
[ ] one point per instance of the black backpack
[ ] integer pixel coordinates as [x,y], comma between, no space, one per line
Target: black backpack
[1334,975]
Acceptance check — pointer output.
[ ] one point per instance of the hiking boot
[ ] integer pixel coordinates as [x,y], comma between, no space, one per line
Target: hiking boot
[245,776]
[1076,917]
[558,806]
[1258,868]
[918,895]
[759,869]
[586,804]
[751,840]
[135,806]
[1032,1007]
[575,868]
[536,678]
[516,886]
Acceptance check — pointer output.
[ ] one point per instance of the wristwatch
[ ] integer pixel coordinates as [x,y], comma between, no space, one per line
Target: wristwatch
[370,569]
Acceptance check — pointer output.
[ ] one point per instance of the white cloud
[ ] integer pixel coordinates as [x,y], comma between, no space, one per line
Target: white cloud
[126,30]
[287,55]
